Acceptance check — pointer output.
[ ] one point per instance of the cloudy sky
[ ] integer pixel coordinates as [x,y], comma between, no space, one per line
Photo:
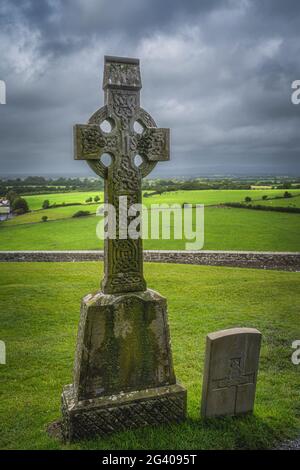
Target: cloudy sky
[217,72]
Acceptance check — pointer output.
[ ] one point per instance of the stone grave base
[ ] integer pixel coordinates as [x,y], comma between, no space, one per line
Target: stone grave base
[120,412]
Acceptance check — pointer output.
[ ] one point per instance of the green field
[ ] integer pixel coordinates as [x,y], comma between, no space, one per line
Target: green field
[215,197]
[225,228]
[35,202]
[207,197]
[286,202]
[39,312]
[56,213]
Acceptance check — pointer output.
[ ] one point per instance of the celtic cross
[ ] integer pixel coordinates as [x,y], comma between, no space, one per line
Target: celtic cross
[123,258]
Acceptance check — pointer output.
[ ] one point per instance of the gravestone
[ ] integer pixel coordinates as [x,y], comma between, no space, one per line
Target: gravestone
[123,373]
[230,372]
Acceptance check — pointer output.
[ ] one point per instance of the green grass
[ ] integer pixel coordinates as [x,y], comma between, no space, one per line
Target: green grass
[35,201]
[286,202]
[39,305]
[56,213]
[225,229]
[212,196]
[207,197]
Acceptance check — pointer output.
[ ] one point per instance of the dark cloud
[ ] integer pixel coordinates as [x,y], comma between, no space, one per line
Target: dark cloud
[218,73]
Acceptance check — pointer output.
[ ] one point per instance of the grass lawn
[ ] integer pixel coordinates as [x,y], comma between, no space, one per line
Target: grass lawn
[39,312]
[225,229]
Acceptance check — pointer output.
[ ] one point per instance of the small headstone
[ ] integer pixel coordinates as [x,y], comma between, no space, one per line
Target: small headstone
[230,372]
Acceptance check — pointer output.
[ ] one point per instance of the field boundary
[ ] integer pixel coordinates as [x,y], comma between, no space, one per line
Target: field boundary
[287,261]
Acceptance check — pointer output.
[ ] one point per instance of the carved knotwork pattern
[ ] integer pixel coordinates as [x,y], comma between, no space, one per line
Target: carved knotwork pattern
[152,412]
[122,83]
[152,143]
[90,140]
[93,142]
[126,178]
[122,74]
[131,281]
[124,104]
[125,256]
[147,120]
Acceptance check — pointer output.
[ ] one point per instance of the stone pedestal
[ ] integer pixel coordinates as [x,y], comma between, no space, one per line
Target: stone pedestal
[120,412]
[123,375]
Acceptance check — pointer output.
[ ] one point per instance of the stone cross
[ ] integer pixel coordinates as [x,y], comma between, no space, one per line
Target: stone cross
[230,373]
[123,371]
[123,258]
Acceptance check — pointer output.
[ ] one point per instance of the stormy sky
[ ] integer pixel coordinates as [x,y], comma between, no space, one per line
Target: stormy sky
[218,73]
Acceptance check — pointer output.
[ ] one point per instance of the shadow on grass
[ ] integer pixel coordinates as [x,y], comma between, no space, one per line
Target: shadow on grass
[245,432]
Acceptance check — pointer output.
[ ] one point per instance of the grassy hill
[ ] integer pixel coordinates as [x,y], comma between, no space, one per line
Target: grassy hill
[225,228]
[207,197]
[285,202]
[55,213]
[35,202]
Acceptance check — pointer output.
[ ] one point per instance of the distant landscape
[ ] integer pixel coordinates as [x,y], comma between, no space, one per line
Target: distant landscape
[240,214]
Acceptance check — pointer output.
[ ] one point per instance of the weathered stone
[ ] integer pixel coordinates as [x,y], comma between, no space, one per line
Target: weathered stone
[119,412]
[123,374]
[288,261]
[123,269]
[230,372]
[123,344]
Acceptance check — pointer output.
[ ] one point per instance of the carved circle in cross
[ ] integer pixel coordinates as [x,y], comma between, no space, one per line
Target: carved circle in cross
[140,121]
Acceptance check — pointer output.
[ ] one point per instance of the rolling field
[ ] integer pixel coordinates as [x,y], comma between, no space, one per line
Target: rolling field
[40,332]
[225,229]
[56,213]
[207,197]
[214,197]
[286,202]
[35,202]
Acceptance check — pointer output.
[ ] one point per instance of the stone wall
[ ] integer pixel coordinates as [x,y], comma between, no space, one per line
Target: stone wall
[288,261]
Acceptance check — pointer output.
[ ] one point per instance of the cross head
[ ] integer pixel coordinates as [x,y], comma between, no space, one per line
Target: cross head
[123,258]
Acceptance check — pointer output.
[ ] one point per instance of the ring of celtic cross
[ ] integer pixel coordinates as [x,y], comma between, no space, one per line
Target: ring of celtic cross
[144,119]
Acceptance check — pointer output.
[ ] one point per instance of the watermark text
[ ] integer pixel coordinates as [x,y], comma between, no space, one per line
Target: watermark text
[2,92]
[295,97]
[156,222]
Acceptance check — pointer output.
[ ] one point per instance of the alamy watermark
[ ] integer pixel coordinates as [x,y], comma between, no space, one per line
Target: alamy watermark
[296,354]
[2,353]
[156,222]
[2,92]
[295,97]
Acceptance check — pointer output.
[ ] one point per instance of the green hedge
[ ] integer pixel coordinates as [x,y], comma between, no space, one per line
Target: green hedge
[294,210]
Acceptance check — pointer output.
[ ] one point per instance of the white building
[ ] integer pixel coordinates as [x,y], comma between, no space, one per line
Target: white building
[4,209]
